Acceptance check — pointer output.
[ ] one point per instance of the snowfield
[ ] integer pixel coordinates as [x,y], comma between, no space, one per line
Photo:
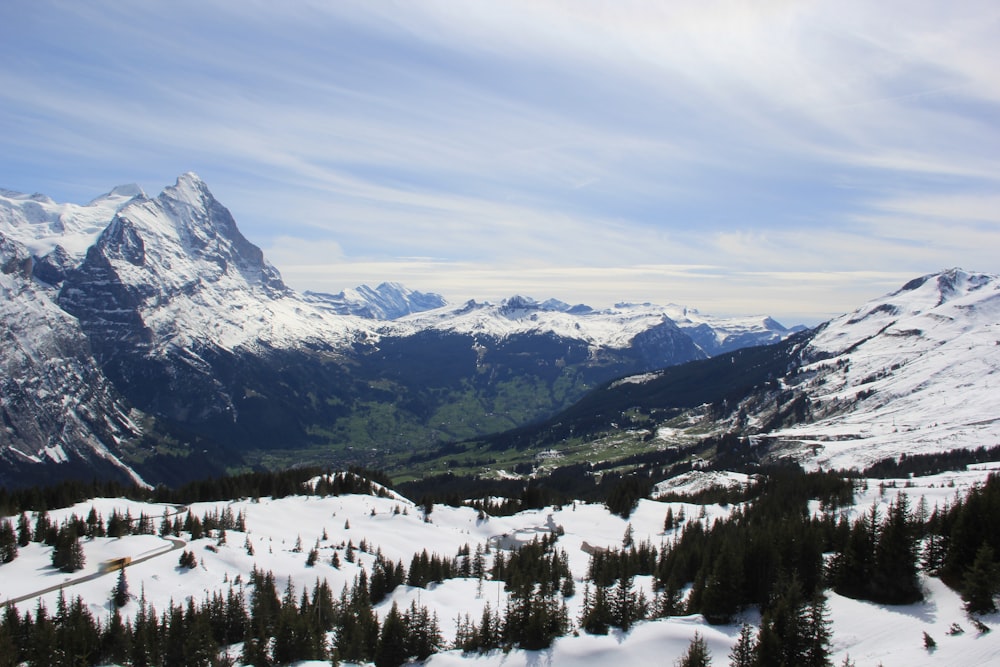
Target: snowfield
[912,372]
[870,634]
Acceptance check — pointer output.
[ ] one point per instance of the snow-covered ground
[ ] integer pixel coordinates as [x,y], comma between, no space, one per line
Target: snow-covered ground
[870,634]
[911,372]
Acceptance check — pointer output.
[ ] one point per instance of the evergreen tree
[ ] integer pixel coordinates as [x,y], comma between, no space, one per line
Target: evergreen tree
[743,653]
[488,634]
[67,555]
[95,526]
[8,542]
[783,640]
[422,631]
[817,633]
[720,598]
[391,650]
[894,579]
[624,607]
[120,594]
[42,643]
[697,654]
[23,530]
[981,582]
[596,617]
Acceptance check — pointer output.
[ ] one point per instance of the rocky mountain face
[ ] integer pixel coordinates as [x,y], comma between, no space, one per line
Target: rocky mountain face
[147,334]
[57,407]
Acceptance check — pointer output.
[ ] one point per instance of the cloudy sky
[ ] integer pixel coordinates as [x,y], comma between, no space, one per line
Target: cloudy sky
[791,158]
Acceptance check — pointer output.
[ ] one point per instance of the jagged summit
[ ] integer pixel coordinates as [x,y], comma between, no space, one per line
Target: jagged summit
[943,286]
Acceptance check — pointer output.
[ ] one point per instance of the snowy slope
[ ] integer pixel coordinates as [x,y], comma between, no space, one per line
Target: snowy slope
[914,371]
[869,633]
[41,224]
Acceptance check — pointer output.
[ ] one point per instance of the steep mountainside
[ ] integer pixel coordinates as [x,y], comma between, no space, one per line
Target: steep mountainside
[908,373]
[179,343]
[913,371]
[57,406]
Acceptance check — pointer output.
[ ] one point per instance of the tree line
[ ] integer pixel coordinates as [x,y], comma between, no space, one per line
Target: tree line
[771,553]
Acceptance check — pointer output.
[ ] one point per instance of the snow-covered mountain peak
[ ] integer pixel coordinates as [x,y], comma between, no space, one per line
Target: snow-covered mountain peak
[189,189]
[42,225]
[908,372]
[175,271]
[923,304]
[388,301]
[120,194]
[937,288]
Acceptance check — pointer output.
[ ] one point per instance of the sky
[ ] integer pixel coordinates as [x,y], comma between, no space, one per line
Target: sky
[786,158]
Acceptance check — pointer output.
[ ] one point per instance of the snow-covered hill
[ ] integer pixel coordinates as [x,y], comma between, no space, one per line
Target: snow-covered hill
[912,372]
[867,633]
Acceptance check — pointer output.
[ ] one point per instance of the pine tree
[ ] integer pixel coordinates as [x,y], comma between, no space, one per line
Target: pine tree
[894,579]
[981,582]
[391,649]
[8,542]
[783,639]
[596,617]
[697,654]
[166,526]
[817,633]
[744,650]
[67,555]
[23,530]
[120,594]
[422,631]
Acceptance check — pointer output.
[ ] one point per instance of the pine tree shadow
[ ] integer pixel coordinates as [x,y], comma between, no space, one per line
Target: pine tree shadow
[539,658]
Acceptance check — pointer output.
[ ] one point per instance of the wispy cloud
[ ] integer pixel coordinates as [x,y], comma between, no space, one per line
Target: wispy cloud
[588,150]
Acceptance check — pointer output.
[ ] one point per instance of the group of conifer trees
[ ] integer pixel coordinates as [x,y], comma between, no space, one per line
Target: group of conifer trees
[767,553]
[770,554]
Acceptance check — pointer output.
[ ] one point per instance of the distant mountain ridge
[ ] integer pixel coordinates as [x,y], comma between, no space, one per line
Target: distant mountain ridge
[388,301]
[150,332]
[912,372]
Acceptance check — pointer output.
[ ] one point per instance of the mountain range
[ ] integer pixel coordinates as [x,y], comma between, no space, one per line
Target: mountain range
[146,338]
[912,372]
